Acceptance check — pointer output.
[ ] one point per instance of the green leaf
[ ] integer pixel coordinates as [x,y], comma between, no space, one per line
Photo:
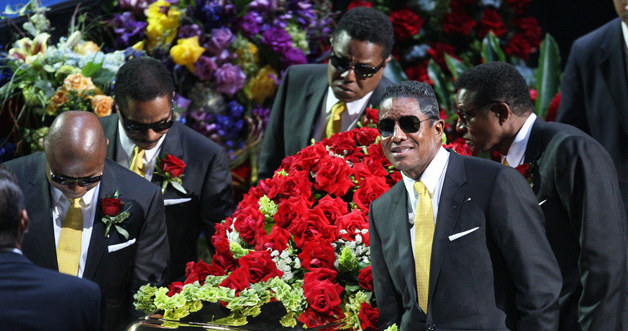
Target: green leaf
[440,84]
[547,75]
[178,187]
[91,69]
[455,66]
[122,231]
[394,72]
[491,51]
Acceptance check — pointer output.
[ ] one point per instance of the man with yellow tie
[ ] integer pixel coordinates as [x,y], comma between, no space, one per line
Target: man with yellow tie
[90,217]
[315,101]
[459,243]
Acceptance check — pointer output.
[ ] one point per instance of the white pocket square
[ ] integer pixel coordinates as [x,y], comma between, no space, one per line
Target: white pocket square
[117,247]
[168,202]
[461,234]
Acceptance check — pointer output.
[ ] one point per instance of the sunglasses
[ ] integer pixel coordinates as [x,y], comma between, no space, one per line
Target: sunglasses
[409,124]
[80,181]
[362,71]
[466,115]
[134,127]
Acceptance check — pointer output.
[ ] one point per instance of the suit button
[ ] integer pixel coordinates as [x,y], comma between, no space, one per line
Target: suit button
[431,327]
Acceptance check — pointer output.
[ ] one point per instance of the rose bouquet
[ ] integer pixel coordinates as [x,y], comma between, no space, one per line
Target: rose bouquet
[300,238]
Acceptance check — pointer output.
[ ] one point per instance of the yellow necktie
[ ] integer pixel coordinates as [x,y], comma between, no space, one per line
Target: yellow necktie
[423,236]
[505,162]
[69,246]
[137,162]
[334,125]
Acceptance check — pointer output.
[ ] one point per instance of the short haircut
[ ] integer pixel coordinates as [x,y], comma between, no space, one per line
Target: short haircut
[11,206]
[141,79]
[368,24]
[497,81]
[420,91]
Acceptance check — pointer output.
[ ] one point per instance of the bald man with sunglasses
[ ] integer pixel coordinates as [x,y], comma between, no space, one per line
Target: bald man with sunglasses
[69,192]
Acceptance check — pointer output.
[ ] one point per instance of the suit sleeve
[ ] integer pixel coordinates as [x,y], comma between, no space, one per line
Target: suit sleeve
[217,194]
[387,298]
[516,225]
[571,110]
[587,186]
[273,150]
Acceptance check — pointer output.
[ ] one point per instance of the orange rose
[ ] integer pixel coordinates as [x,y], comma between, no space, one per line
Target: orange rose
[78,83]
[60,97]
[102,105]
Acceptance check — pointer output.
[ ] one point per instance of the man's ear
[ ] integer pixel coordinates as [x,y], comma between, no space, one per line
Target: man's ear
[503,112]
[24,221]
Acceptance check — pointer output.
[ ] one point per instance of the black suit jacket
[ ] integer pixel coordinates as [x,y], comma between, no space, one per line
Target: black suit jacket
[118,273]
[207,181]
[35,298]
[501,276]
[575,181]
[295,112]
[595,93]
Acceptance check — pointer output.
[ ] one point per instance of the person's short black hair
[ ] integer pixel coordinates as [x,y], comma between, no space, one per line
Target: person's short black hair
[497,81]
[422,92]
[11,206]
[368,24]
[141,79]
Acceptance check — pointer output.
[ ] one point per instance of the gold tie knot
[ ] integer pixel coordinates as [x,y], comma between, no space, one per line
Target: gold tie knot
[421,189]
[76,203]
[137,162]
[334,125]
[505,162]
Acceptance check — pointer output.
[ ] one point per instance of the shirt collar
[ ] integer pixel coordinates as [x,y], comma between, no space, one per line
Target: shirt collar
[87,198]
[431,175]
[517,149]
[624,30]
[353,107]
[128,145]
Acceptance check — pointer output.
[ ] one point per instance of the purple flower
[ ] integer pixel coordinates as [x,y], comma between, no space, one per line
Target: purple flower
[126,27]
[249,24]
[135,5]
[263,113]
[221,39]
[293,56]
[181,102]
[214,14]
[189,31]
[263,6]
[229,79]
[204,67]
[277,38]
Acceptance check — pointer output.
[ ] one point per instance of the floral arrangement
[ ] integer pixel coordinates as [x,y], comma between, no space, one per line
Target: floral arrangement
[300,238]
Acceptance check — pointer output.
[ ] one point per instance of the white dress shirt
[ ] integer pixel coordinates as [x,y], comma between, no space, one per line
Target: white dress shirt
[433,178]
[125,152]
[624,30]
[517,150]
[350,117]
[60,206]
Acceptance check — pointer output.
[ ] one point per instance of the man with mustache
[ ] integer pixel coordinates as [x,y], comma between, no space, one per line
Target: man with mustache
[315,101]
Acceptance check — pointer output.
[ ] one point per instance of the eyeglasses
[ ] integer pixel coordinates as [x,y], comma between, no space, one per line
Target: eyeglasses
[466,116]
[80,181]
[134,127]
[362,71]
[409,124]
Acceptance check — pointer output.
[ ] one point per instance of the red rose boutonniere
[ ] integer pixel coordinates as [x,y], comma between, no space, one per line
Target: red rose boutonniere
[113,214]
[526,171]
[369,119]
[170,168]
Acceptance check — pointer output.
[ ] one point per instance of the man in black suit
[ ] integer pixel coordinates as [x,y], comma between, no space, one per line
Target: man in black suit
[458,244]
[78,225]
[317,100]
[144,122]
[594,92]
[35,298]
[575,183]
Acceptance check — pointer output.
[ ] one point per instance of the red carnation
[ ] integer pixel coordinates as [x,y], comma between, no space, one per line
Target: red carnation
[172,165]
[369,317]
[406,23]
[365,278]
[111,206]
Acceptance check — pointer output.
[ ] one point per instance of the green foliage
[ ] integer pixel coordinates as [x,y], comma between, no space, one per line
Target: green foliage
[547,75]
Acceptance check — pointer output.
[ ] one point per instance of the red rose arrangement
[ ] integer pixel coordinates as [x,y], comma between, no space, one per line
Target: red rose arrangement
[170,168]
[113,215]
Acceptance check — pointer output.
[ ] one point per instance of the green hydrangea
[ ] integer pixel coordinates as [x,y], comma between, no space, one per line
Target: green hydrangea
[347,260]
[237,250]
[299,38]
[143,298]
[268,208]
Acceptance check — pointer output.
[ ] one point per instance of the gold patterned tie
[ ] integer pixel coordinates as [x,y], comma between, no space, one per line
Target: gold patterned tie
[137,162]
[423,236]
[334,125]
[69,246]
[505,162]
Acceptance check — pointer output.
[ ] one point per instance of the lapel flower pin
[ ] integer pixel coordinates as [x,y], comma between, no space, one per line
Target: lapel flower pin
[113,214]
[170,168]
[525,170]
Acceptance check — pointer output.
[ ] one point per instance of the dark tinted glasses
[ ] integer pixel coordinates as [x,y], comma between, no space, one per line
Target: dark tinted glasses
[133,127]
[409,124]
[80,181]
[361,70]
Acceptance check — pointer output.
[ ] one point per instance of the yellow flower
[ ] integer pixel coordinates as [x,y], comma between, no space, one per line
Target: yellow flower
[250,55]
[26,49]
[88,47]
[78,83]
[186,52]
[262,85]
[102,104]
[139,46]
[163,22]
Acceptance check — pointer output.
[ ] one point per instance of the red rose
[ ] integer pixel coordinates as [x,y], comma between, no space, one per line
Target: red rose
[371,116]
[459,146]
[250,224]
[333,177]
[305,159]
[352,222]
[368,191]
[418,72]
[491,21]
[317,254]
[438,50]
[297,183]
[531,29]
[277,240]
[458,22]
[533,95]
[323,296]
[320,274]
[172,165]
[111,206]
[342,143]
[518,5]
[313,319]
[332,208]
[369,317]
[225,261]
[359,3]
[406,23]
[524,169]
[289,210]
[314,226]
[237,280]
[519,46]
[365,278]
[260,266]
[553,108]
[366,136]
[175,288]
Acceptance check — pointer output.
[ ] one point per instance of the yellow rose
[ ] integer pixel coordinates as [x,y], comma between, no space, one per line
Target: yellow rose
[162,27]
[262,85]
[250,55]
[78,83]
[186,52]
[59,98]
[102,104]
[88,47]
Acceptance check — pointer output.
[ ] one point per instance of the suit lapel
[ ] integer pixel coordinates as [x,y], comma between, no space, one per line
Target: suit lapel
[451,199]
[313,101]
[613,68]
[534,149]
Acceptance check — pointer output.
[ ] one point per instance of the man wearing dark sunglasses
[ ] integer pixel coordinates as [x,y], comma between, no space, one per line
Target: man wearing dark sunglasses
[65,190]
[458,243]
[575,183]
[317,100]
[143,130]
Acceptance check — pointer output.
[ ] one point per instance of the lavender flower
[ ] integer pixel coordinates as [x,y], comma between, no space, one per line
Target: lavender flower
[277,38]
[126,27]
[188,31]
[263,6]
[135,5]
[293,56]
[249,24]
[262,112]
[221,39]
[204,67]
[229,79]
